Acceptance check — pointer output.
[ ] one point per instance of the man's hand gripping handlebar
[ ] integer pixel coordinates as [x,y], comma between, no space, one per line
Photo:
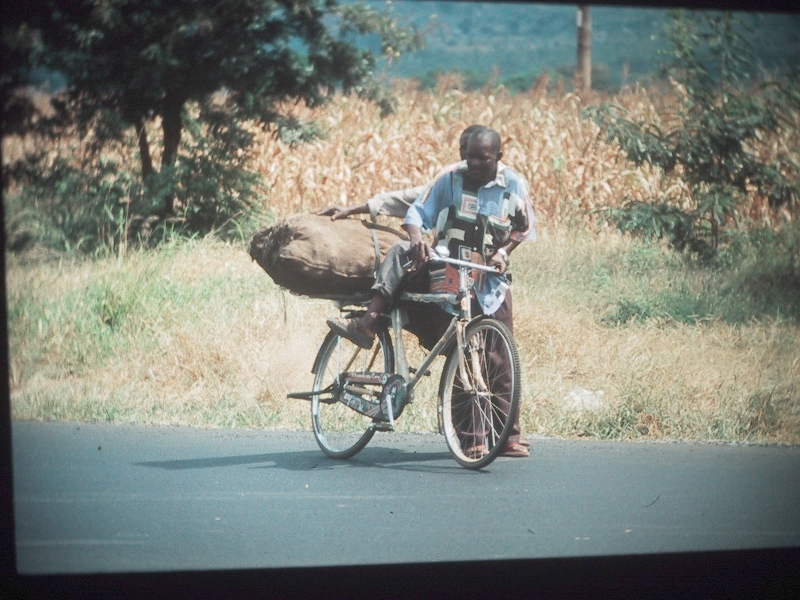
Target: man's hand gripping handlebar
[421,253]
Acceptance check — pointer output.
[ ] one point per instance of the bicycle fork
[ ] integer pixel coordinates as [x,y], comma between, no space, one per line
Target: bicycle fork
[481,388]
[474,346]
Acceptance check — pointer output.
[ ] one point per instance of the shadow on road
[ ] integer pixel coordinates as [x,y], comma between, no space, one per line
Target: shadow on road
[378,458]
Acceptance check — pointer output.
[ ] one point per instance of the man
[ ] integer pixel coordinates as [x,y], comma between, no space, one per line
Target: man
[480,206]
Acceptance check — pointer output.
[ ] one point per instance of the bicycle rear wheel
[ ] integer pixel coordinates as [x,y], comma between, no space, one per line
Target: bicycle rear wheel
[340,431]
[479,409]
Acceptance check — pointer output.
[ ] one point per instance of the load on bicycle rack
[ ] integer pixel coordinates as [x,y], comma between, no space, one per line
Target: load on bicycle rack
[357,392]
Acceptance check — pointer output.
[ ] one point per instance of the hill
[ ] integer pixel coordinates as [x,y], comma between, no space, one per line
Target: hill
[520,40]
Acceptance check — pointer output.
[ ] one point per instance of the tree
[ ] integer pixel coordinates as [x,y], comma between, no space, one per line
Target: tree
[714,137]
[130,62]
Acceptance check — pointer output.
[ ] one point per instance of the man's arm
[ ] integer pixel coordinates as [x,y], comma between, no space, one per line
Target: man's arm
[395,203]
[336,211]
[530,231]
[499,260]
[522,218]
[420,248]
[423,214]
[392,204]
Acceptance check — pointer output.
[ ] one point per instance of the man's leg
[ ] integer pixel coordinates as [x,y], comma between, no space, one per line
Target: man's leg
[391,270]
[390,273]
[505,315]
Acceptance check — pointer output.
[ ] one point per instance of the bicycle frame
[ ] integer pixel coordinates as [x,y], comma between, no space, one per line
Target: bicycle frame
[479,389]
[454,330]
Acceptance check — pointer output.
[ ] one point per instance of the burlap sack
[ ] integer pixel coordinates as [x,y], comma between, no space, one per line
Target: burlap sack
[314,256]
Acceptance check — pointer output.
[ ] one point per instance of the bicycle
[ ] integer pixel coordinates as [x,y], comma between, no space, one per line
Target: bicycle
[358,392]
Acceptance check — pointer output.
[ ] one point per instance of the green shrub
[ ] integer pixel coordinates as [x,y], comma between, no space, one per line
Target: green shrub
[97,201]
[766,267]
[714,138]
[209,185]
[754,276]
[64,206]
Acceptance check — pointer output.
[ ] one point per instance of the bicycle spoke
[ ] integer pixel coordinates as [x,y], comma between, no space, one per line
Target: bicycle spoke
[480,393]
[339,430]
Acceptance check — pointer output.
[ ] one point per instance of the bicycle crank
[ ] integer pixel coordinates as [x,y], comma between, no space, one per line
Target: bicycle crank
[360,392]
[394,395]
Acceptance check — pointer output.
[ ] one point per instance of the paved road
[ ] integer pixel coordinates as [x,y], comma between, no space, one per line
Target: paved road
[100,498]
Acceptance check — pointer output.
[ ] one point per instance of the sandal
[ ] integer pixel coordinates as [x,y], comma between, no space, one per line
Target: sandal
[348,329]
[516,451]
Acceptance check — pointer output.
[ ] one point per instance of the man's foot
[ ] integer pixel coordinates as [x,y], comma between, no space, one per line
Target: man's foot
[349,329]
[478,451]
[524,441]
[516,450]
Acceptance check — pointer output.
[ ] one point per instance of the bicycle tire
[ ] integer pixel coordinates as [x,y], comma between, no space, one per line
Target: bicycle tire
[340,431]
[478,423]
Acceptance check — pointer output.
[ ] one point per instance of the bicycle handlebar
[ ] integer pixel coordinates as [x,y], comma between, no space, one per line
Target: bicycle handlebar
[436,257]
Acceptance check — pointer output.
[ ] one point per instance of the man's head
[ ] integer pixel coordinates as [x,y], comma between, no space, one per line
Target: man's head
[484,151]
[465,135]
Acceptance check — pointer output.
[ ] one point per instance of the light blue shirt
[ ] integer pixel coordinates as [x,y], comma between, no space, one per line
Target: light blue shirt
[500,201]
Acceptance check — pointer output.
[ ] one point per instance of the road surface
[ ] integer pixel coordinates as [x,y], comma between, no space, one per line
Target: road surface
[105,498]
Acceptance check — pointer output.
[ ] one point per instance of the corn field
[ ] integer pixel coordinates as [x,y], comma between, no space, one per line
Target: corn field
[570,167]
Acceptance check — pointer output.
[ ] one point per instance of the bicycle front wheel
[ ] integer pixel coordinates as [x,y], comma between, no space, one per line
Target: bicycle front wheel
[340,431]
[480,397]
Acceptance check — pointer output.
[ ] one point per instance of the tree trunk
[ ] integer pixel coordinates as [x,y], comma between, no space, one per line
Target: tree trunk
[144,150]
[583,74]
[171,125]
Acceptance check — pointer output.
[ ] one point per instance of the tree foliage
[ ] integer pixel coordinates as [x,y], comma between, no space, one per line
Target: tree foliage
[134,63]
[713,137]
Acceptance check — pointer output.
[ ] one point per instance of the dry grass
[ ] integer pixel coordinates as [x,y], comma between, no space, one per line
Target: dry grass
[679,381]
[660,378]
[206,339]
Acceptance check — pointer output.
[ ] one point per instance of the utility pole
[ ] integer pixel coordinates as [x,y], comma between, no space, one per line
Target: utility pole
[583,74]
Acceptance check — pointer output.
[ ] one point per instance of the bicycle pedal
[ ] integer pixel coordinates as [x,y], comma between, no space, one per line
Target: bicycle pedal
[381,426]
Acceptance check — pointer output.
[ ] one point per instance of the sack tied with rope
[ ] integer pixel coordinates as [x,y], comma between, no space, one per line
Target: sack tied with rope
[313,256]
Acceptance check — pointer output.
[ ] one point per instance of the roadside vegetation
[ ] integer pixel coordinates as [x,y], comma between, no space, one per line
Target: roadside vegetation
[194,333]
[653,306]
[191,331]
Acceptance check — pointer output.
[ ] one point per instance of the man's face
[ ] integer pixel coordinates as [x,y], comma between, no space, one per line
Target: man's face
[481,161]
